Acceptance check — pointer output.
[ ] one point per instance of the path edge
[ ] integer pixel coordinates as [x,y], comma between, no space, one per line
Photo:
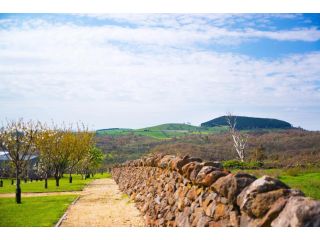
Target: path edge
[66,212]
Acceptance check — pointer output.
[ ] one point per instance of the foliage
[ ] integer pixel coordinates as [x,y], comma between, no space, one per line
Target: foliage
[34,211]
[17,140]
[92,162]
[233,164]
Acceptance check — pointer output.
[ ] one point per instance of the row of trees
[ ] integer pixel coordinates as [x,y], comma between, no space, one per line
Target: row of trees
[61,149]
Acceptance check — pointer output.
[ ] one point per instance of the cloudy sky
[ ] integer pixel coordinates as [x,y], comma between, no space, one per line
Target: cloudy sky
[145,69]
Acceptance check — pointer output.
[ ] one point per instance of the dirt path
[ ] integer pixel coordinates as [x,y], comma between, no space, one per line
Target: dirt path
[12,195]
[102,204]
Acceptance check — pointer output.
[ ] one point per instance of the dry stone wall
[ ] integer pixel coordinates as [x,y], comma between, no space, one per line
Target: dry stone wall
[184,191]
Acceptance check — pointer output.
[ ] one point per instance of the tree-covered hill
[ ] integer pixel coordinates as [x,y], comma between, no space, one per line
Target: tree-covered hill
[247,123]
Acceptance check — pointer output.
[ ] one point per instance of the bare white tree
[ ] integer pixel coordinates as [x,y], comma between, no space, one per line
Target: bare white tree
[239,139]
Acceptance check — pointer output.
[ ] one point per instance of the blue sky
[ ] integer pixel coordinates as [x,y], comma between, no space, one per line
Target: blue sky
[136,70]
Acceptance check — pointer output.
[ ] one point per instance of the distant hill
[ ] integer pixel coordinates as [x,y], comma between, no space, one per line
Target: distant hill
[247,123]
[163,131]
[173,127]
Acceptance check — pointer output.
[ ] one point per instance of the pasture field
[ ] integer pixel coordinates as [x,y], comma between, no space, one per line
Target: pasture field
[164,131]
[38,186]
[306,180]
[33,211]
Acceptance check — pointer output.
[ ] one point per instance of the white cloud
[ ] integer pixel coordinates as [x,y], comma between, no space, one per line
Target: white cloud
[80,72]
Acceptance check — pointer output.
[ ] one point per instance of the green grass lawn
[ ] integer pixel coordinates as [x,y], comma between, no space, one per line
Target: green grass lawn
[33,211]
[308,181]
[38,186]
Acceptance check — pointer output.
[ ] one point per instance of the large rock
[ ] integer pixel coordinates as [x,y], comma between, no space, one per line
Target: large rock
[261,185]
[177,164]
[207,179]
[231,185]
[299,212]
[194,173]
[188,168]
[261,204]
[165,161]
[272,214]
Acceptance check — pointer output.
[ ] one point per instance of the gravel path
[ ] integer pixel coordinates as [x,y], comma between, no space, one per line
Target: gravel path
[101,204]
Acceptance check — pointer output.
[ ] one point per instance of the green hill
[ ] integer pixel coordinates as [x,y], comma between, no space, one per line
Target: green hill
[249,123]
[173,127]
[163,131]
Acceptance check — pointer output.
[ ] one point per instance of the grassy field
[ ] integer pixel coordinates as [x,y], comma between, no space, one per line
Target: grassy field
[164,131]
[34,211]
[308,180]
[38,186]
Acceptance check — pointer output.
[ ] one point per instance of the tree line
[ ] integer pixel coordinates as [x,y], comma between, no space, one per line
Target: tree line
[61,149]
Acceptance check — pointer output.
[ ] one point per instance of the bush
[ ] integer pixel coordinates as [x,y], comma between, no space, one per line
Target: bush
[233,164]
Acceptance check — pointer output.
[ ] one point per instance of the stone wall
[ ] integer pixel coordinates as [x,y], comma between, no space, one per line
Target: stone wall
[185,191]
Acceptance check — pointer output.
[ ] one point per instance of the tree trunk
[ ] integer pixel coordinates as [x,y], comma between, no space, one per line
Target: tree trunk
[46,183]
[1,183]
[57,181]
[18,189]
[70,178]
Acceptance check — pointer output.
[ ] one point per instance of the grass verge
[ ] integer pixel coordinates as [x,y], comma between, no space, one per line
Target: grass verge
[33,211]
[307,180]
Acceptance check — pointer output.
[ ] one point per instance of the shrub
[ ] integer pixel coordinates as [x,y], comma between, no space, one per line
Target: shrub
[231,164]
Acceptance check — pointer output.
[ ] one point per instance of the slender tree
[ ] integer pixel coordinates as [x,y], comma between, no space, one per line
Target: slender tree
[63,147]
[82,141]
[46,147]
[239,139]
[91,162]
[17,140]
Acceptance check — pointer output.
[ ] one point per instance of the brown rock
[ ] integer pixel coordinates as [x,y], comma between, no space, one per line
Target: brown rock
[165,161]
[188,168]
[194,173]
[178,164]
[261,185]
[192,194]
[299,212]
[208,199]
[203,221]
[215,224]
[261,204]
[208,179]
[231,185]
[169,216]
[220,211]
[182,220]
[274,211]
[234,219]
[210,209]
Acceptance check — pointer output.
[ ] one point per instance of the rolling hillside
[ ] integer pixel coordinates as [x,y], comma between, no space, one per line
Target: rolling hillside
[163,131]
